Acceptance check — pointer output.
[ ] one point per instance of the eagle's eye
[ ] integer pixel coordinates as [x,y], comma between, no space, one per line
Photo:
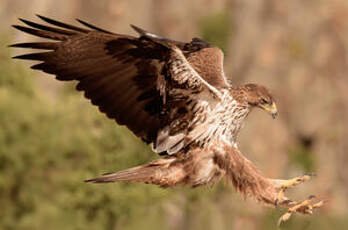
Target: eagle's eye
[265,101]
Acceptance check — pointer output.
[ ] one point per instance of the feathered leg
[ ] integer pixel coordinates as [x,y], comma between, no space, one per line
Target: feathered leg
[250,182]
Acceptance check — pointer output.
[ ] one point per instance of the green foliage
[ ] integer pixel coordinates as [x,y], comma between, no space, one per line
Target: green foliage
[303,157]
[216,29]
[48,146]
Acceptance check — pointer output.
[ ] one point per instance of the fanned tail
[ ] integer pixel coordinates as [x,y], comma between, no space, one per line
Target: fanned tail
[160,172]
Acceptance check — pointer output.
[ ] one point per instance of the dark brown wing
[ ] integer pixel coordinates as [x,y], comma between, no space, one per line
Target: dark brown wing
[115,74]
[122,75]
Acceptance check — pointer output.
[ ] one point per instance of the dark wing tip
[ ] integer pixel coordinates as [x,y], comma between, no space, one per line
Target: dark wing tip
[45,19]
[17,45]
[29,23]
[25,21]
[36,45]
[93,26]
[34,56]
[41,17]
[18,27]
[61,24]
[17,57]
[25,29]
[24,57]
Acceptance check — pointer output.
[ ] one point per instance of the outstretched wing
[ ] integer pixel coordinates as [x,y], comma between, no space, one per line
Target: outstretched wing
[139,82]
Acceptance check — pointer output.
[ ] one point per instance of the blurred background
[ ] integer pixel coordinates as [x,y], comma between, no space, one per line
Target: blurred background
[51,138]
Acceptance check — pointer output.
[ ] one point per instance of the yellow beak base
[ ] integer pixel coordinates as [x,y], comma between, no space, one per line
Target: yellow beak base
[271,109]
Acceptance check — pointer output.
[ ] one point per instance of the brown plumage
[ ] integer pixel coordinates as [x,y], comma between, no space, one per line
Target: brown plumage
[171,94]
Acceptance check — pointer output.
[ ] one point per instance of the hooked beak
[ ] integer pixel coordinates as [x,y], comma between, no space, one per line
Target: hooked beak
[272,109]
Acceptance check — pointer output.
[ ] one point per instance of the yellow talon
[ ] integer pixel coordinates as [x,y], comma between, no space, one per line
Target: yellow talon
[305,207]
[286,184]
[295,181]
[319,204]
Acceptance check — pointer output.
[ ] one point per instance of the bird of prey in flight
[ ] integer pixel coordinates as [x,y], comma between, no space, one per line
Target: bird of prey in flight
[173,95]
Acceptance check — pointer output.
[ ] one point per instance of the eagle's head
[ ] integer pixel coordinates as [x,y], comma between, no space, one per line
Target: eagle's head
[259,96]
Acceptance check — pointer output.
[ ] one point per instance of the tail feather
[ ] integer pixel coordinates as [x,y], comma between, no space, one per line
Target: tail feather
[136,174]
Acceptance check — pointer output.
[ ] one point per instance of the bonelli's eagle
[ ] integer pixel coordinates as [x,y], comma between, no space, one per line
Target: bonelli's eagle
[171,94]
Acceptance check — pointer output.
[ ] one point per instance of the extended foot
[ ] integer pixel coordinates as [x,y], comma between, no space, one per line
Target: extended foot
[286,184]
[305,207]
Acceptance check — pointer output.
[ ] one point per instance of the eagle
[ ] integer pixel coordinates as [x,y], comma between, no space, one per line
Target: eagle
[173,95]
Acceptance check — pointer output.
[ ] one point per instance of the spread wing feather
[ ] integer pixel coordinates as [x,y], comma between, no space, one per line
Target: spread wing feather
[150,84]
